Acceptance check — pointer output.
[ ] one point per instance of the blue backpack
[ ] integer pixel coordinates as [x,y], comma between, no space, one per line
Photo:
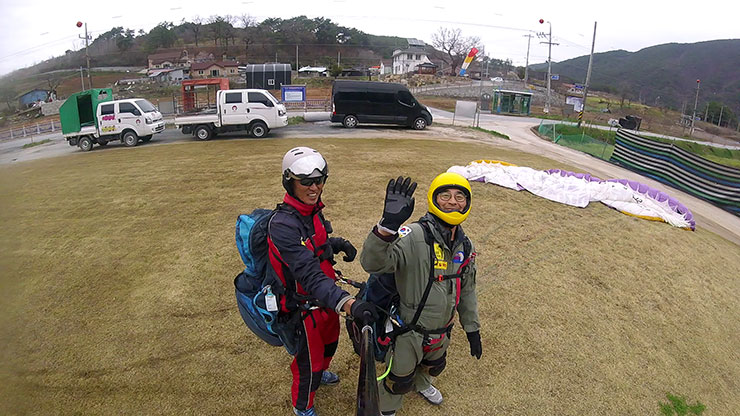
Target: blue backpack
[258,289]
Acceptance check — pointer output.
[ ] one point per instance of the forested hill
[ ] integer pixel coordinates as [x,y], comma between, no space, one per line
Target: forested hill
[320,42]
[664,74]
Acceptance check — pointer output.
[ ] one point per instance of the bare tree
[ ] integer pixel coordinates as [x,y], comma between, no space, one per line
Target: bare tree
[195,26]
[229,31]
[53,80]
[454,45]
[248,23]
[216,25]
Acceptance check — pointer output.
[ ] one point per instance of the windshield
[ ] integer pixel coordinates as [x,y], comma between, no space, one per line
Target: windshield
[145,106]
[273,99]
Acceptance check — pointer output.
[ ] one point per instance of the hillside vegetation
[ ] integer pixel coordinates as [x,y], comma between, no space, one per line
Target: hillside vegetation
[665,75]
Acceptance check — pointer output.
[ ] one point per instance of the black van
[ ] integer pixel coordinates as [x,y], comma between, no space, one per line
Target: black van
[356,102]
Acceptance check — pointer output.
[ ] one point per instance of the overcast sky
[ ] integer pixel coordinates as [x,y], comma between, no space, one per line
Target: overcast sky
[33,31]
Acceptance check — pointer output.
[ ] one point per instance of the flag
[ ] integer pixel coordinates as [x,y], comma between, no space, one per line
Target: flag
[468,60]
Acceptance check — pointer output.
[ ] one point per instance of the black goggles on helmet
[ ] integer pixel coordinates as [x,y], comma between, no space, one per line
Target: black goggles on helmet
[306,181]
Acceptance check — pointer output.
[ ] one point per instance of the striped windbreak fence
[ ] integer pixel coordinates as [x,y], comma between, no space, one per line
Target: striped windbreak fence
[683,170]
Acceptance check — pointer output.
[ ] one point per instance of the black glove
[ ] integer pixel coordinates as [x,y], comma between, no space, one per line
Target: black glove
[364,311]
[399,203]
[476,350]
[340,244]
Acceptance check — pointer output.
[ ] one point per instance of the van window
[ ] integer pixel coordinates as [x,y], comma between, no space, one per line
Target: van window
[106,109]
[405,97]
[258,97]
[233,97]
[380,97]
[127,108]
[352,96]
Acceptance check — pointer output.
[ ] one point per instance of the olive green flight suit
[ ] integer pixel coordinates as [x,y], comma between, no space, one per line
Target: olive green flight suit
[409,257]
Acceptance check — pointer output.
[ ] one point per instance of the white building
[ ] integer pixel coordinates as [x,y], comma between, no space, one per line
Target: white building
[406,60]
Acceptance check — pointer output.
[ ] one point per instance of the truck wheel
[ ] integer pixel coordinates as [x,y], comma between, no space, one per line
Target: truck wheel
[350,121]
[203,133]
[102,142]
[145,139]
[420,123]
[259,129]
[85,144]
[130,139]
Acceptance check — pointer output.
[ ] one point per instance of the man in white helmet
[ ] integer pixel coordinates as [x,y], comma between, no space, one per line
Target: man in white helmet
[434,269]
[301,254]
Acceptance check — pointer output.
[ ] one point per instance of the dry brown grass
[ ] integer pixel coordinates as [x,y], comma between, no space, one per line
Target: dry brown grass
[117,271]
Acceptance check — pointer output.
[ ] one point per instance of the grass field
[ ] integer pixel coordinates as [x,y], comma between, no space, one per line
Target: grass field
[117,271]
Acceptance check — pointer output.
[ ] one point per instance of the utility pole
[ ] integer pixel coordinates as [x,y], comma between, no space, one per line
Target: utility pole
[588,78]
[719,124]
[339,56]
[549,63]
[696,100]
[82,80]
[87,54]
[706,112]
[296,57]
[526,65]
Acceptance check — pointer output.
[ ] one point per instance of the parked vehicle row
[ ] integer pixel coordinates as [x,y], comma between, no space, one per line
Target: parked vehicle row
[94,117]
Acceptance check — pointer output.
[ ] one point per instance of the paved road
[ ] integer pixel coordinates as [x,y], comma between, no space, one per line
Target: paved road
[517,128]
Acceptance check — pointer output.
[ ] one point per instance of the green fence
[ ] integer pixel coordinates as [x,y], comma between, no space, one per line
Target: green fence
[581,142]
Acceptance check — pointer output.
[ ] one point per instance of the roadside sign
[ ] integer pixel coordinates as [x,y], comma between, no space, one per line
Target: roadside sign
[555,77]
[293,93]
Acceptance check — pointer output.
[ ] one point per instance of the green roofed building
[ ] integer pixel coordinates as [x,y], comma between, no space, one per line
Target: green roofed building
[511,102]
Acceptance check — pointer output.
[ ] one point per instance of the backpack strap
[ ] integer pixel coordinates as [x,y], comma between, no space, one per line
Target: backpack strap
[297,300]
[467,248]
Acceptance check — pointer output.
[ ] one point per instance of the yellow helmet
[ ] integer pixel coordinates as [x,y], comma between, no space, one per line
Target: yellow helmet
[445,181]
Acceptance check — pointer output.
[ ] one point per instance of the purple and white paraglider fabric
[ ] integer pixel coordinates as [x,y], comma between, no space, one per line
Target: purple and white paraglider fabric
[578,189]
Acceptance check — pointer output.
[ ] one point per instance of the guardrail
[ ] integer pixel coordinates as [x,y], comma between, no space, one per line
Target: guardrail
[29,130]
[324,105]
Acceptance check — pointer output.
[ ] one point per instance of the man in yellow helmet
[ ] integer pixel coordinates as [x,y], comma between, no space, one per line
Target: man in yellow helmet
[434,268]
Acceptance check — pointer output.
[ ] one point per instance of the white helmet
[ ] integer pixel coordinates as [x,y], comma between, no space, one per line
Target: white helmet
[302,162]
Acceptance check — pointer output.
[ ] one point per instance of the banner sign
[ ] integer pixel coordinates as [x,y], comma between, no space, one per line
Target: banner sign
[293,93]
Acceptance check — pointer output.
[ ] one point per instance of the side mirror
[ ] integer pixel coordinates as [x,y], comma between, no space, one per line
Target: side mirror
[137,112]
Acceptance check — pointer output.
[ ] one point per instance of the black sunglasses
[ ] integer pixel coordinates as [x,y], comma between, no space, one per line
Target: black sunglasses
[310,181]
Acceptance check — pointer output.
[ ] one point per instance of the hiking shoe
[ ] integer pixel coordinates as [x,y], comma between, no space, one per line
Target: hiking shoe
[307,412]
[432,395]
[329,379]
[388,413]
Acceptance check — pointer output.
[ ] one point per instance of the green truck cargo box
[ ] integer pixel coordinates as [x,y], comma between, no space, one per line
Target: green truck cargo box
[79,109]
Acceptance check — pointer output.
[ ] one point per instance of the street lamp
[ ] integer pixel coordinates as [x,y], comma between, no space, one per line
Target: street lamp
[549,62]
[87,55]
[696,100]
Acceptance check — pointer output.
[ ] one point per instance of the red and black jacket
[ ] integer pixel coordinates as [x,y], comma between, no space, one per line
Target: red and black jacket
[300,253]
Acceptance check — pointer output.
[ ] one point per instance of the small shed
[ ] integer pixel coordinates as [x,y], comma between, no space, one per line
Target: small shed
[426,68]
[511,102]
[266,76]
[29,98]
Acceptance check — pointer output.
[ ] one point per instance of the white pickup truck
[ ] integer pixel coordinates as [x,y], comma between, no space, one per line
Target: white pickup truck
[255,111]
[93,116]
